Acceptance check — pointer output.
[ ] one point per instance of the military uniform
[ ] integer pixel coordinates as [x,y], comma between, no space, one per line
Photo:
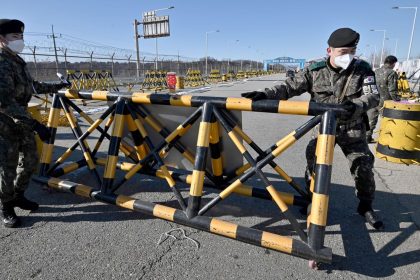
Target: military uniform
[18,153]
[326,85]
[387,82]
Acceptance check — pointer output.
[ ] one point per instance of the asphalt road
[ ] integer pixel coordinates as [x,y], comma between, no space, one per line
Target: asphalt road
[74,238]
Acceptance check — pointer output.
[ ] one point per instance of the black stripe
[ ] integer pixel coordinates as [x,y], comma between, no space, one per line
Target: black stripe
[401,114]
[162,99]
[303,129]
[200,100]
[261,193]
[302,250]
[144,206]
[114,146]
[137,138]
[193,205]
[316,236]
[270,106]
[214,150]
[388,151]
[200,158]
[322,178]
[200,222]
[249,235]
[327,124]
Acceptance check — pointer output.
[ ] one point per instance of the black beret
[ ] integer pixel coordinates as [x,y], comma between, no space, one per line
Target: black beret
[344,38]
[11,26]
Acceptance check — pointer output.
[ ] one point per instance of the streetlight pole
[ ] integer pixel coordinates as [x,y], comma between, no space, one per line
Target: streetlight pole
[383,43]
[136,37]
[207,45]
[412,30]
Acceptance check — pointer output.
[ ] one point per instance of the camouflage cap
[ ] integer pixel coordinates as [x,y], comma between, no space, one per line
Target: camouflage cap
[344,38]
[11,26]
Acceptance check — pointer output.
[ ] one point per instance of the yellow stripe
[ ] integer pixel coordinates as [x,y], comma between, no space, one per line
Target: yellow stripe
[70,167]
[130,123]
[153,123]
[118,125]
[287,197]
[70,119]
[280,203]
[242,134]
[89,160]
[197,181]
[167,176]
[325,149]
[183,100]
[237,142]
[125,202]
[188,156]
[164,212]
[174,134]
[288,141]
[282,174]
[319,209]
[72,94]
[235,103]
[230,189]
[94,125]
[140,127]
[242,169]
[110,166]
[54,117]
[139,97]
[293,107]
[276,242]
[214,133]
[46,155]
[203,134]
[99,95]
[223,228]
[217,166]
[244,190]
[86,117]
[83,190]
[133,171]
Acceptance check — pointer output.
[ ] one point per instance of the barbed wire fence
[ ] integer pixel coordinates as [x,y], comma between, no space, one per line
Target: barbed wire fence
[46,54]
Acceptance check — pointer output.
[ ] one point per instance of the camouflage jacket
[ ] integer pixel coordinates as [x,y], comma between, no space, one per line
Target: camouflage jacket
[17,87]
[326,85]
[387,81]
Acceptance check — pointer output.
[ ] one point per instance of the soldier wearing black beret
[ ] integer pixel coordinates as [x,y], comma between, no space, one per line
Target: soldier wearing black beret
[340,79]
[18,153]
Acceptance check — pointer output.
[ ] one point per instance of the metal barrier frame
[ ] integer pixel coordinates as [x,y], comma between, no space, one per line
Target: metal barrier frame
[147,157]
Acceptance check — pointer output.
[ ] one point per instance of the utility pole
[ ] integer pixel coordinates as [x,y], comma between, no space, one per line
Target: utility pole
[55,47]
[136,37]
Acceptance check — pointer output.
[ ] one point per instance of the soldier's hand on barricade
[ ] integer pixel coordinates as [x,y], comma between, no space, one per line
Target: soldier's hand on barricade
[254,95]
[42,131]
[349,107]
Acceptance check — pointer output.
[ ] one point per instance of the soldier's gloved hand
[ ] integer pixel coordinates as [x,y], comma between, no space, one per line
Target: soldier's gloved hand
[254,95]
[350,108]
[42,131]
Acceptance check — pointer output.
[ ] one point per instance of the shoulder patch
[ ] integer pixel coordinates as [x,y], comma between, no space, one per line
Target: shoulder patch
[318,65]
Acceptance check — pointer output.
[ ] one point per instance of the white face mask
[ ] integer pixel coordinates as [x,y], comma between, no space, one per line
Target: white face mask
[343,61]
[16,45]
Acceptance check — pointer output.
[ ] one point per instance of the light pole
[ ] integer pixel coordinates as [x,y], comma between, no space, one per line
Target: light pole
[207,43]
[412,30]
[383,43]
[236,42]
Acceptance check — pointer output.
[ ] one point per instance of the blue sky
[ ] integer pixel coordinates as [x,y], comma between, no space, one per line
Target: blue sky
[265,29]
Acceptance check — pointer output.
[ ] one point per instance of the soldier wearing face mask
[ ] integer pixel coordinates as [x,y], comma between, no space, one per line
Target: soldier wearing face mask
[18,153]
[340,79]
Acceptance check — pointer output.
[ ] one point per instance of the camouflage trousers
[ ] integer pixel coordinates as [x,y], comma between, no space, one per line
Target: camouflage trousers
[18,161]
[354,146]
[373,115]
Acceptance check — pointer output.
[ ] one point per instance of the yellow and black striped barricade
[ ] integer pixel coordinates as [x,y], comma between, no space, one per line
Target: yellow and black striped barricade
[148,156]
[399,133]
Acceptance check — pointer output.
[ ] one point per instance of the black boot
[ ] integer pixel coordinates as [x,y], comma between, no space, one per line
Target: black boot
[23,203]
[365,209]
[9,217]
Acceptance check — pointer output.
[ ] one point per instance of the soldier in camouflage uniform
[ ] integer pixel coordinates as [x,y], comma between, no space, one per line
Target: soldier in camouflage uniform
[387,82]
[340,79]
[18,153]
